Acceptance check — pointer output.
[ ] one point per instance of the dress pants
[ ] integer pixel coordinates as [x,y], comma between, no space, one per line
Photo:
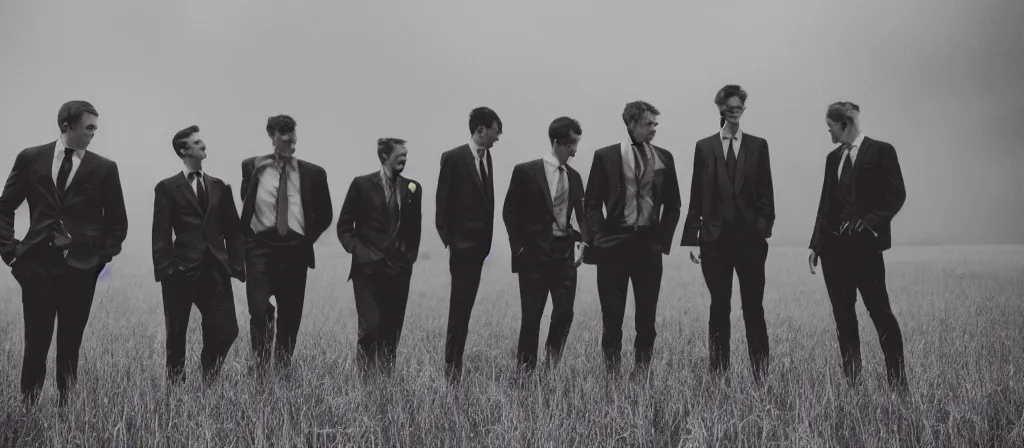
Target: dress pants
[275,269]
[632,259]
[538,278]
[745,253]
[465,270]
[208,286]
[52,290]
[381,294]
[850,264]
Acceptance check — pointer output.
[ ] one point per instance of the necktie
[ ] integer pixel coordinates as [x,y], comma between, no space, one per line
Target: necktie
[393,199]
[641,162]
[388,188]
[480,165]
[846,175]
[282,197]
[64,171]
[730,161]
[200,189]
[391,194]
[561,201]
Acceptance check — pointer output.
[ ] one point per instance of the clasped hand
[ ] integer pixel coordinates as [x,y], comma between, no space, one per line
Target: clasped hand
[579,260]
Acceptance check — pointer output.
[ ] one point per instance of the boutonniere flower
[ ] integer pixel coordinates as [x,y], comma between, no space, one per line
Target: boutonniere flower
[412,187]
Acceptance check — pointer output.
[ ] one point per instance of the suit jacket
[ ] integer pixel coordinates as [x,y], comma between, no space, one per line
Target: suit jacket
[878,192]
[364,225]
[317,210]
[176,210]
[606,189]
[92,208]
[464,215]
[529,211]
[752,189]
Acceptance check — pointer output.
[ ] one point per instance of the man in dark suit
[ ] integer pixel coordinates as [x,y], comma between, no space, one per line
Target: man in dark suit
[380,226]
[731,215]
[465,222]
[286,206]
[632,205]
[861,193]
[197,248]
[78,224]
[538,209]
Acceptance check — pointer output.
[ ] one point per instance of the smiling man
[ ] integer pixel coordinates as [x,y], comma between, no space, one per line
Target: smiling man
[541,199]
[380,225]
[78,224]
[197,248]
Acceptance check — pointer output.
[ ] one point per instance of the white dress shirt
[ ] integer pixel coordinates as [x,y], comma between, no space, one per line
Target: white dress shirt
[551,172]
[737,141]
[473,147]
[854,147]
[192,182]
[265,213]
[58,158]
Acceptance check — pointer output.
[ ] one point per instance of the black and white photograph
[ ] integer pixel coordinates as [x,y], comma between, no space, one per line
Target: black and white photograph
[511,223]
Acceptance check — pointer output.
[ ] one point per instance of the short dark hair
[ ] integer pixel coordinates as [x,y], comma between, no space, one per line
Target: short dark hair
[562,128]
[178,141]
[843,112]
[280,123]
[730,91]
[386,146]
[483,116]
[634,112]
[71,112]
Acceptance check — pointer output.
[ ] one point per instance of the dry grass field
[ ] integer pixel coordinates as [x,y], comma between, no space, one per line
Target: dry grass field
[960,307]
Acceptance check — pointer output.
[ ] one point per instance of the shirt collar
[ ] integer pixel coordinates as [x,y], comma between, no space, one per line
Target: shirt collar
[59,147]
[187,172]
[738,136]
[385,178]
[474,148]
[859,140]
[292,159]
[551,160]
[630,142]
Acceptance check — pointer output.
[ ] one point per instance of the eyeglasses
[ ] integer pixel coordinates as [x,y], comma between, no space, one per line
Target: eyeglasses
[734,108]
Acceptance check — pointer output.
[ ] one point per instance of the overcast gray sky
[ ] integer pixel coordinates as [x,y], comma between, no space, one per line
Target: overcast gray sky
[938,80]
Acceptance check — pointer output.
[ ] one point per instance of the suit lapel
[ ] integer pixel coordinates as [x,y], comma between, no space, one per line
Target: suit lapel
[401,190]
[213,190]
[832,166]
[88,161]
[540,173]
[614,165]
[44,163]
[379,197]
[490,179]
[469,162]
[720,173]
[304,191]
[741,161]
[865,146]
[185,188]
[575,194]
